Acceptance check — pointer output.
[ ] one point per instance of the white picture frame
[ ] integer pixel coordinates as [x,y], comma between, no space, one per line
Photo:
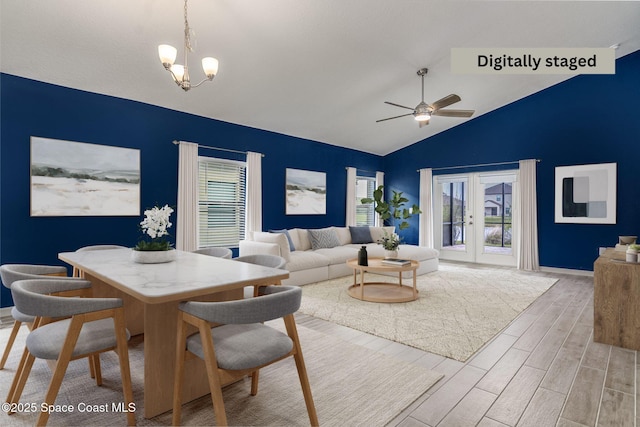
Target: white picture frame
[586,194]
[306,192]
[81,179]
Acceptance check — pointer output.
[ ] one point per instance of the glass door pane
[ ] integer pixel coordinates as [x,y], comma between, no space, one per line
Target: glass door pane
[454,207]
[498,222]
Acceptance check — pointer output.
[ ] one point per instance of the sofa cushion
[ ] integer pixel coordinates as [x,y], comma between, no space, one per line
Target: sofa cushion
[279,238]
[323,238]
[292,247]
[305,260]
[360,234]
[338,255]
[343,235]
[300,238]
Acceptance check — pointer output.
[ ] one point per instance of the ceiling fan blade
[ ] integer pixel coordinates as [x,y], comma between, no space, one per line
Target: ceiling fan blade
[398,105]
[445,102]
[423,123]
[395,117]
[453,113]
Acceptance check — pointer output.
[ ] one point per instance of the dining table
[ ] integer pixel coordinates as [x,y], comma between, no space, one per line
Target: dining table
[151,294]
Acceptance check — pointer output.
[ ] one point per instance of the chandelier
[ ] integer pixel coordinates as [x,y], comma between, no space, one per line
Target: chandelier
[180,73]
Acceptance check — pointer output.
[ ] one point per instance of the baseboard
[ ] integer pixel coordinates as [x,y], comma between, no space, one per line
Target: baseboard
[567,271]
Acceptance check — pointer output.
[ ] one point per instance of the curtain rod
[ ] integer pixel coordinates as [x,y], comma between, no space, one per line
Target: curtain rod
[361,170]
[176,142]
[480,165]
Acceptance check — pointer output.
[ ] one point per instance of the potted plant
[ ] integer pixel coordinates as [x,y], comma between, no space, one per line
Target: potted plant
[392,211]
[155,225]
[390,243]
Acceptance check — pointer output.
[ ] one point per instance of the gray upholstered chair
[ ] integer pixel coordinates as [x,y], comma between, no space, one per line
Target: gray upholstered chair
[76,271]
[92,326]
[265,260]
[216,252]
[273,261]
[242,345]
[9,274]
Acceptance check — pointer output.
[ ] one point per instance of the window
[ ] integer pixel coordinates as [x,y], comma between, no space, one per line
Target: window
[365,214]
[221,202]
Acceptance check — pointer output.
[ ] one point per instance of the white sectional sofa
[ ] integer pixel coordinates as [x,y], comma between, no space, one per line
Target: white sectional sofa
[321,254]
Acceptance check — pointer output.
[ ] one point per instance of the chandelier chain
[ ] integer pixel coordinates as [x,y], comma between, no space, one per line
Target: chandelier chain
[187,30]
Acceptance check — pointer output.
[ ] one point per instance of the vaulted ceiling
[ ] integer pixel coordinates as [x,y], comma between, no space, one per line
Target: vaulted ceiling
[315,69]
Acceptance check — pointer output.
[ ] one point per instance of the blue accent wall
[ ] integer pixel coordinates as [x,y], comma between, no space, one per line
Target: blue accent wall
[33,108]
[586,119]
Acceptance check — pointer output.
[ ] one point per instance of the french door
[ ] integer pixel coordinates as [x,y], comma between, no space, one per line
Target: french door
[474,217]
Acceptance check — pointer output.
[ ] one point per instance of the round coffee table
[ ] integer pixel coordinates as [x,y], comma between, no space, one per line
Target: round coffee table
[382,291]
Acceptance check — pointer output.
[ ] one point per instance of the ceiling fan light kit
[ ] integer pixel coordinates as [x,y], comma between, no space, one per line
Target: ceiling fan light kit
[422,112]
[180,73]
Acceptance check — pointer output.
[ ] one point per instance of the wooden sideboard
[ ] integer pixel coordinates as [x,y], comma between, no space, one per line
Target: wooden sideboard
[616,301]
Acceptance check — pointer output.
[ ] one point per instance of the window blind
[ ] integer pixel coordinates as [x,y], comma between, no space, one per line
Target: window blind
[365,214]
[221,202]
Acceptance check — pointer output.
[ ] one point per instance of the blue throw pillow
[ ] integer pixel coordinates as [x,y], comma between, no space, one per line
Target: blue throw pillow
[360,234]
[286,233]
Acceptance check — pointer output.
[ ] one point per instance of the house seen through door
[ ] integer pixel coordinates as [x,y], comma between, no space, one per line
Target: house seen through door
[473,217]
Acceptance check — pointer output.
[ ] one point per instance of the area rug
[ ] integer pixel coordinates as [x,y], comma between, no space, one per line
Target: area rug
[351,385]
[458,310]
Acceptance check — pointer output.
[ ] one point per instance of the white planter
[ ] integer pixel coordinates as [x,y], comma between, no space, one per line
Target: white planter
[153,257]
[390,254]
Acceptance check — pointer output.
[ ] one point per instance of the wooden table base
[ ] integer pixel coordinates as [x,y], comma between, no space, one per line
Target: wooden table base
[383,292]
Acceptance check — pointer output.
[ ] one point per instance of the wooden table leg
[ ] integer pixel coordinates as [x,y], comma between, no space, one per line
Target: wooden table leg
[362,284]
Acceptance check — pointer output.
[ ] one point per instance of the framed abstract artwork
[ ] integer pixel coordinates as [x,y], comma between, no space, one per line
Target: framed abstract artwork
[586,194]
[80,179]
[306,192]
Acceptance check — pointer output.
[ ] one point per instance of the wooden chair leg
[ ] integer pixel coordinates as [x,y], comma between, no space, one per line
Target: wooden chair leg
[254,382]
[12,338]
[97,371]
[61,367]
[181,339]
[212,374]
[292,331]
[125,369]
[92,369]
[20,378]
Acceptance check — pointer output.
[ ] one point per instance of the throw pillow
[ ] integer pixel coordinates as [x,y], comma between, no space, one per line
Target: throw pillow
[286,233]
[323,238]
[360,234]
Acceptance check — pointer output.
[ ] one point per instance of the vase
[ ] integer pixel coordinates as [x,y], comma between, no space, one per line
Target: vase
[153,257]
[391,254]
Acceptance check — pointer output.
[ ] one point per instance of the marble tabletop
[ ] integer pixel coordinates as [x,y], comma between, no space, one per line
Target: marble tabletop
[188,276]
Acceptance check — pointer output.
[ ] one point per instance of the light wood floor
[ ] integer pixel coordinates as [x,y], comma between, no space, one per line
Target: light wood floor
[542,370]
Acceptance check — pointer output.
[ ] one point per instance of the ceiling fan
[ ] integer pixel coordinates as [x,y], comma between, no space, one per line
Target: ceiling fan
[423,111]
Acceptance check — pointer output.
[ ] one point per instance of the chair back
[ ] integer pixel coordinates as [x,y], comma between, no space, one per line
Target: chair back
[31,297]
[265,260]
[10,273]
[278,301]
[215,252]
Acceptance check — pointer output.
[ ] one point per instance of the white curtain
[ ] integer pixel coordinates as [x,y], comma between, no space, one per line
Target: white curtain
[350,219]
[426,206]
[379,181]
[253,208]
[187,209]
[528,217]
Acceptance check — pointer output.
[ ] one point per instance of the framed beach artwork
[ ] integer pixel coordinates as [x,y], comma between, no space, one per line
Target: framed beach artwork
[80,179]
[306,192]
[586,194]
